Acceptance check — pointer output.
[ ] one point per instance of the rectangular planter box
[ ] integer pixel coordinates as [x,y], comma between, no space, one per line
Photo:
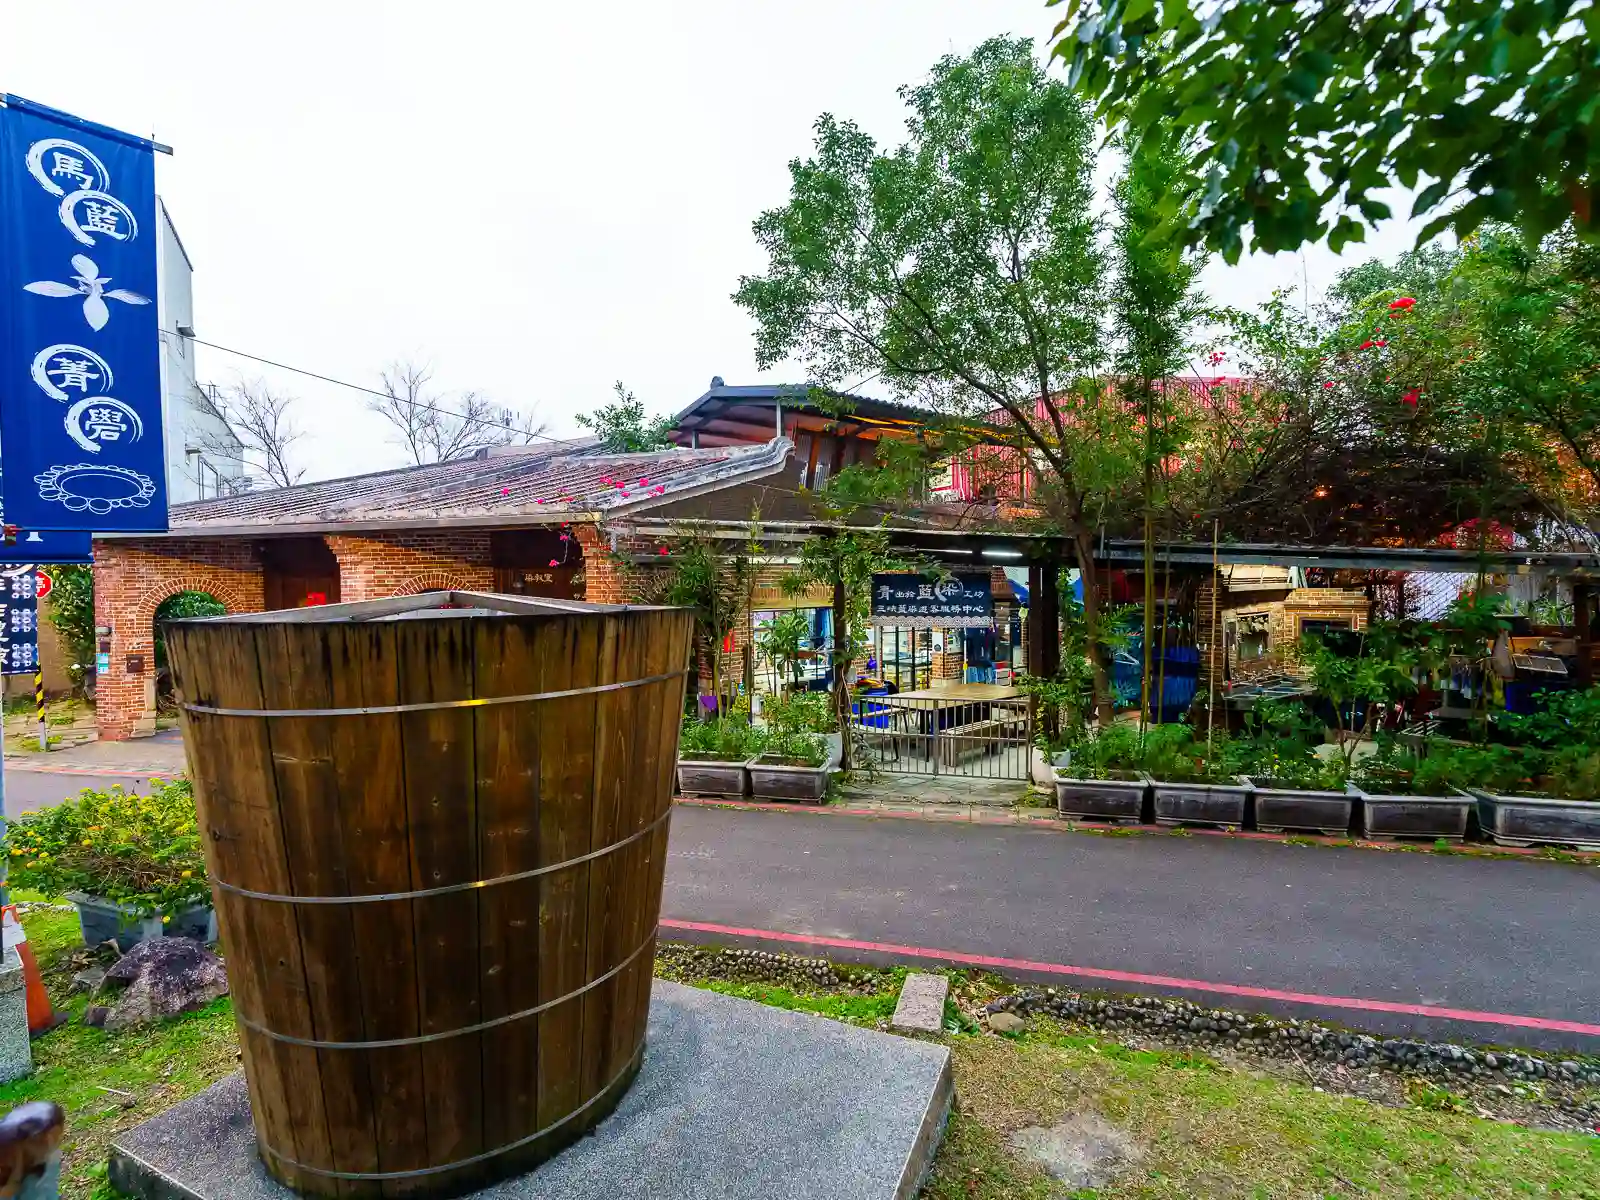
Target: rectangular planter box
[1200,803]
[1101,799]
[714,777]
[101,920]
[1432,817]
[1279,809]
[781,781]
[1537,821]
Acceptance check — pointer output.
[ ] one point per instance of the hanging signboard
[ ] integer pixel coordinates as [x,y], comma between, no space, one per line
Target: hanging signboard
[19,621]
[80,358]
[39,546]
[918,602]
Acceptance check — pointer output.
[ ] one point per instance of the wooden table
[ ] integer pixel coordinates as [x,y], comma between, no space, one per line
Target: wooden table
[960,693]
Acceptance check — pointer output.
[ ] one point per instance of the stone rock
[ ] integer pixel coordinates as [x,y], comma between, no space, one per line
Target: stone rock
[88,980]
[1005,1022]
[163,977]
[921,1005]
[1084,1151]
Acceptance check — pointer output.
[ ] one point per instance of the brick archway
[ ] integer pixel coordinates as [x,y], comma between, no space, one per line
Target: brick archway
[141,639]
[433,581]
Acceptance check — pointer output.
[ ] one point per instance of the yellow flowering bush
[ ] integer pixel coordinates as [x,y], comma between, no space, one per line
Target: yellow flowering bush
[140,850]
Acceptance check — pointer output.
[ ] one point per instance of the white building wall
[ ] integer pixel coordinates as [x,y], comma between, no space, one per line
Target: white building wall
[196,469]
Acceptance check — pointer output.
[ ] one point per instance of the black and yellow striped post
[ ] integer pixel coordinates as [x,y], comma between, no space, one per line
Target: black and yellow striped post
[38,703]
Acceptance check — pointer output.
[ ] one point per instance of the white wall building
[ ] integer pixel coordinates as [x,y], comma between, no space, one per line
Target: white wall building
[203,457]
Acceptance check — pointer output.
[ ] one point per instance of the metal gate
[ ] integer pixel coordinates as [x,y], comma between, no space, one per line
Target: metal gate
[933,735]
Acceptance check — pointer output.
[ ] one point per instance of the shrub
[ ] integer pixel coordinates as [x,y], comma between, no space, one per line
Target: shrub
[1439,767]
[802,749]
[800,712]
[733,740]
[140,850]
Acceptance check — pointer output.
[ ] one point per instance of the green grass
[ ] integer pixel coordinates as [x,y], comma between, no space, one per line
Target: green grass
[855,1009]
[93,1073]
[1210,1130]
[1206,1129]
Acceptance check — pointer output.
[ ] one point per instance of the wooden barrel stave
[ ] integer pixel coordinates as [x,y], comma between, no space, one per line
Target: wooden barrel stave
[395,802]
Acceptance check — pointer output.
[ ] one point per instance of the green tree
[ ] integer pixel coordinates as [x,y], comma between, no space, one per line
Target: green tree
[716,585]
[1304,110]
[623,428]
[71,611]
[963,267]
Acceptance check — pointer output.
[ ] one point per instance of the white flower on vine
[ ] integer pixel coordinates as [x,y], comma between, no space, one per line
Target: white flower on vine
[90,284]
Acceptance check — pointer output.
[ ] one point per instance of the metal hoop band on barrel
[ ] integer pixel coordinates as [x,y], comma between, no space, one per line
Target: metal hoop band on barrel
[391,1043]
[428,705]
[448,888]
[604,1093]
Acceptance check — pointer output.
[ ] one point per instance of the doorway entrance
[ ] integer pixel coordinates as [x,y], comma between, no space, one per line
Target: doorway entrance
[297,572]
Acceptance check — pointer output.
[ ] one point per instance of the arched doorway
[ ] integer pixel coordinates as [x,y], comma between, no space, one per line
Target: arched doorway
[188,603]
[298,571]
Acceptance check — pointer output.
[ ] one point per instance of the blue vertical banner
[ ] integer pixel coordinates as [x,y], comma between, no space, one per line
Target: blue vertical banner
[19,621]
[81,437]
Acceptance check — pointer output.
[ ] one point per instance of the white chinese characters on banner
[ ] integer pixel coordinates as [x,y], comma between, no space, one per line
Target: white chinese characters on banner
[19,621]
[93,422]
[66,368]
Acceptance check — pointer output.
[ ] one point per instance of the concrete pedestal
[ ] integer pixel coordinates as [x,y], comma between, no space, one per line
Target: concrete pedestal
[735,1101]
[16,1053]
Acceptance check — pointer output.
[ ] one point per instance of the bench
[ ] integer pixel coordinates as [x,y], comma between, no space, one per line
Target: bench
[975,737]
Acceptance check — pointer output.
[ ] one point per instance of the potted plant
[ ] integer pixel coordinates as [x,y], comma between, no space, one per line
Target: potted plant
[1191,783]
[1416,791]
[793,766]
[714,756]
[1101,780]
[1545,793]
[132,864]
[1294,787]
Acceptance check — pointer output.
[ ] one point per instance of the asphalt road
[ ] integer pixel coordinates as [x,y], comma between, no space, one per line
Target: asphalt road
[1489,936]
[28,790]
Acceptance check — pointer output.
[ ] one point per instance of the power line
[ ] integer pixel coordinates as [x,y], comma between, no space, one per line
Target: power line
[356,387]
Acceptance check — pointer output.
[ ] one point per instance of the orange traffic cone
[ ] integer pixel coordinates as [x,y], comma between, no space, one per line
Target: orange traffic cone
[41,1017]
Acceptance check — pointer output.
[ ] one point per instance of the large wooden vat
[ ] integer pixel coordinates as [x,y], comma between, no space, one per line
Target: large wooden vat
[436,839]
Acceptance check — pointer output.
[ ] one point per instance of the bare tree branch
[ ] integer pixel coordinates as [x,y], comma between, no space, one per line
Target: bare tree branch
[260,431]
[432,427]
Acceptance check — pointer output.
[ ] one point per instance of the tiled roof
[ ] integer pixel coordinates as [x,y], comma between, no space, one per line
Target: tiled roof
[523,485]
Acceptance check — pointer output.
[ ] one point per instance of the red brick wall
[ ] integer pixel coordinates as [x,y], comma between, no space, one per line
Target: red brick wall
[375,565]
[132,577]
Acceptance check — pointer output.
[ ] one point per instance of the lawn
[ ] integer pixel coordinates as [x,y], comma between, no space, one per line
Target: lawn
[1201,1128]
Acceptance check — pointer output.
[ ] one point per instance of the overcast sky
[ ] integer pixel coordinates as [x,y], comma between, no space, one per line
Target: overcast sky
[538,199]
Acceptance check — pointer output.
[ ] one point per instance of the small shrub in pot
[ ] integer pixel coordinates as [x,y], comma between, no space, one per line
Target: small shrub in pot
[137,857]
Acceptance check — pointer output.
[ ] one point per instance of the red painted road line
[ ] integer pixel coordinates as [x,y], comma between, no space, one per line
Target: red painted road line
[1161,981]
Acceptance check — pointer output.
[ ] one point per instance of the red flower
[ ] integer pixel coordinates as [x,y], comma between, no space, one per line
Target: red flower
[624,493]
[643,482]
[538,501]
[1411,397]
[554,563]
[1366,345]
[1329,384]
[1382,342]
[505,491]
[1403,302]
[564,537]
[662,550]
[566,499]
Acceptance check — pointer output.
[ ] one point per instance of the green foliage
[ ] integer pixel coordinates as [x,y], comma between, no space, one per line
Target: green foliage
[1440,767]
[176,608]
[1370,681]
[1563,719]
[962,266]
[732,739]
[140,850]
[623,428]
[1279,742]
[796,747]
[716,586]
[799,712]
[1303,111]
[1169,752]
[71,610]
[783,640]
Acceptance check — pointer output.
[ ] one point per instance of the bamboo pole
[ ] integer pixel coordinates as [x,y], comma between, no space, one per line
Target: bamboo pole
[1211,644]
